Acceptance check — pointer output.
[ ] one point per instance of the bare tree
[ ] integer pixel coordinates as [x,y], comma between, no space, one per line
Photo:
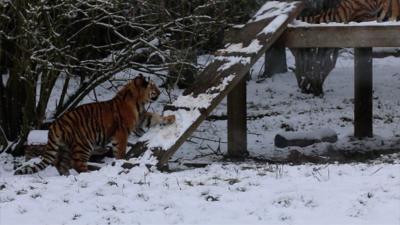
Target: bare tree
[42,41]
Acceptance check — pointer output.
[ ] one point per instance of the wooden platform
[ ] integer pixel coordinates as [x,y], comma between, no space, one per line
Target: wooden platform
[360,36]
[246,44]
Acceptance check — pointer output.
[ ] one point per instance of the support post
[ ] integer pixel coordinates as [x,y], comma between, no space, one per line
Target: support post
[275,61]
[237,124]
[363,92]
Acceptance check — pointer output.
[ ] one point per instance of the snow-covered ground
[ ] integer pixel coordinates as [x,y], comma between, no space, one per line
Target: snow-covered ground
[217,194]
[222,193]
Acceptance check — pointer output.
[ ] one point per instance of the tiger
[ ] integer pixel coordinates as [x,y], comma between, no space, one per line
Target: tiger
[358,11]
[74,136]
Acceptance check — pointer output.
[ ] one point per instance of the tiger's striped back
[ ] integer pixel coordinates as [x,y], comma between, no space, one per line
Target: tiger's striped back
[358,11]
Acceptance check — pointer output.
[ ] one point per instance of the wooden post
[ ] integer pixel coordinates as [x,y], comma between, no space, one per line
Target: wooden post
[237,129]
[363,92]
[275,60]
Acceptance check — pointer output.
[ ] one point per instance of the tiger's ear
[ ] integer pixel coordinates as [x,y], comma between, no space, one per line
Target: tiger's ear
[140,81]
[146,81]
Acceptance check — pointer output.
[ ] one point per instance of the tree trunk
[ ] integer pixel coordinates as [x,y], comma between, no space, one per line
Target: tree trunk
[275,61]
[313,65]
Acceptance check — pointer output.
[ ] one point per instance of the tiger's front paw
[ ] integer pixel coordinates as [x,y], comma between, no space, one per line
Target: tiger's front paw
[169,119]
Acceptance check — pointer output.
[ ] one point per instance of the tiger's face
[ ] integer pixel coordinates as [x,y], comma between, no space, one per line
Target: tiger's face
[149,90]
[153,91]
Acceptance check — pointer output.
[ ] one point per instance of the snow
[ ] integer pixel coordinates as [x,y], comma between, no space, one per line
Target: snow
[218,194]
[273,9]
[232,60]
[37,137]
[202,100]
[253,47]
[233,193]
[222,85]
[275,24]
[5,78]
[147,159]
[387,49]
[165,137]
[32,161]
[238,26]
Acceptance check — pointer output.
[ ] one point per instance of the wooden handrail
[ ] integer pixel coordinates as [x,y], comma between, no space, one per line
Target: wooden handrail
[342,36]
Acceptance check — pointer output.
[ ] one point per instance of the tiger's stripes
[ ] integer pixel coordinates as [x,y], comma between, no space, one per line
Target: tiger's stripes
[74,136]
[358,11]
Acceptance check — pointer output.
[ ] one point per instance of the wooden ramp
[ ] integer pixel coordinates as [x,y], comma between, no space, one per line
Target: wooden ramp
[245,46]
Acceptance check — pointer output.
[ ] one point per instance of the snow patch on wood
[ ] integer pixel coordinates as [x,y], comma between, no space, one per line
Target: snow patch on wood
[272,9]
[275,24]
[253,47]
[232,60]
[202,100]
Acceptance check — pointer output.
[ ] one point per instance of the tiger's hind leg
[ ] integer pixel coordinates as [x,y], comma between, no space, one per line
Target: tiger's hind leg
[80,155]
[384,10]
[63,162]
[395,14]
[119,142]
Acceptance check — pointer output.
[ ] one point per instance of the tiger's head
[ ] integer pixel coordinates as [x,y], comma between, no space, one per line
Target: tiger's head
[140,89]
[148,90]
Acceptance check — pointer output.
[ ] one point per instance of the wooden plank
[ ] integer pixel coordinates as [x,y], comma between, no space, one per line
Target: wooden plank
[342,36]
[363,92]
[237,121]
[217,80]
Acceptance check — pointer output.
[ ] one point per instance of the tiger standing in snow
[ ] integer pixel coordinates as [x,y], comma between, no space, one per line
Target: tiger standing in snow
[358,11]
[73,137]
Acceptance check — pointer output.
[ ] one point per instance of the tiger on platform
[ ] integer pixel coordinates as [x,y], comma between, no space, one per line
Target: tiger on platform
[358,11]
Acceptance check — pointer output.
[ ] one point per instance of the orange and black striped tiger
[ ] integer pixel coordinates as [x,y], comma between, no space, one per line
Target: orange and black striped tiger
[358,11]
[73,137]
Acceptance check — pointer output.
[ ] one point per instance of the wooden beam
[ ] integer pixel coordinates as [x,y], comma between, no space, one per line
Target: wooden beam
[237,121]
[363,92]
[341,36]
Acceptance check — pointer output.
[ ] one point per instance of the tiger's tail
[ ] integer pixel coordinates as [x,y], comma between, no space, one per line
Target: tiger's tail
[45,160]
